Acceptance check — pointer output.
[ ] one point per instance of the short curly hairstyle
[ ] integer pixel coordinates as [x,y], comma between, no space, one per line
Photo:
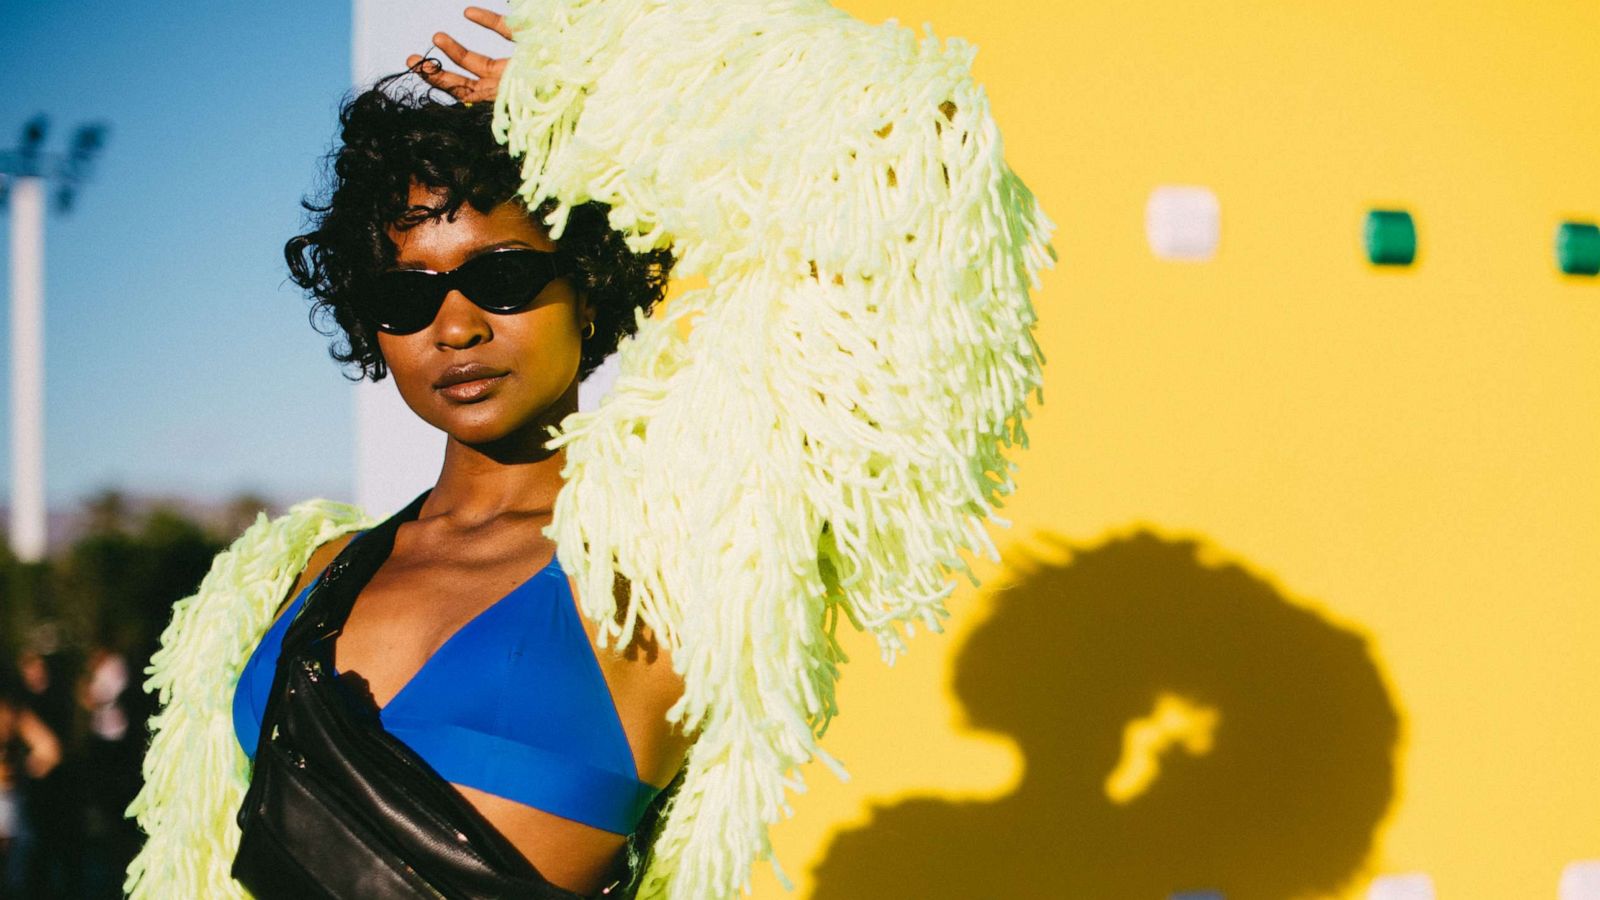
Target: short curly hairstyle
[388,139]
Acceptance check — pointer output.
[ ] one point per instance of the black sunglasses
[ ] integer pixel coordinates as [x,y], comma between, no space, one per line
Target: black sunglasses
[403,301]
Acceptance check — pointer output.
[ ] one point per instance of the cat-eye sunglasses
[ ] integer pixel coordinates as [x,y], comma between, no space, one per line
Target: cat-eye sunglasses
[404,301]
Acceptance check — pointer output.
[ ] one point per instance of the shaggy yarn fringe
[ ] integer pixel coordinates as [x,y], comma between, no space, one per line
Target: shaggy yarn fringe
[195,774]
[830,433]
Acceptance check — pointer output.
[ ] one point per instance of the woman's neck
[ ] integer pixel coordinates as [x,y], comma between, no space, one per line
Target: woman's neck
[516,475]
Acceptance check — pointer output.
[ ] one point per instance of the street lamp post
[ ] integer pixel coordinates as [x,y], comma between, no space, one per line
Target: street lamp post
[24,175]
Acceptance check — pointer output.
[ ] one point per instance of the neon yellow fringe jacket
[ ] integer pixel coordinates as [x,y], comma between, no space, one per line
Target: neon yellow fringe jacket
[816,433]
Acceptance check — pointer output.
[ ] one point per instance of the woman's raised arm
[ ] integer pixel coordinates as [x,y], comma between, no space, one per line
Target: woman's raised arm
[486,68]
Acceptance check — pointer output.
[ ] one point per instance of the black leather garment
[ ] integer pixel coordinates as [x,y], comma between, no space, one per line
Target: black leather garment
[338,808]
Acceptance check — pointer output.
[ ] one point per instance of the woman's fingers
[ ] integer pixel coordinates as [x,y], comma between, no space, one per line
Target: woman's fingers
[488,19]
[486,68]
[473,62]
[458,86]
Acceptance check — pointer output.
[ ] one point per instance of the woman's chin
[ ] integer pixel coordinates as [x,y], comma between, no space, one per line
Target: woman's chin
[494,417]
[471,423]
[476,433]
[489,423]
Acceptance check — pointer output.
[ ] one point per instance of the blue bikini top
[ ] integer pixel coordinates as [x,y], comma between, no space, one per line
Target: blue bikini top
[513,703]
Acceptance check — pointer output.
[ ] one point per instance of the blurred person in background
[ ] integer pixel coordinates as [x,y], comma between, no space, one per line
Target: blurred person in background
[29,752]
[111,758]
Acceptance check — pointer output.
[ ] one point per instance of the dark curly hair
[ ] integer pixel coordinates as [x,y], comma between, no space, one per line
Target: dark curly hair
[387,139]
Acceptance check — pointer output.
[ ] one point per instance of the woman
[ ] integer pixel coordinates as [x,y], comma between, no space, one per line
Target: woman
[432,181]
[811,437]
[421,186]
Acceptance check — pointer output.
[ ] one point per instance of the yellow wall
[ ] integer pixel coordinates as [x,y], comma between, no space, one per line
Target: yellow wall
[1316,539]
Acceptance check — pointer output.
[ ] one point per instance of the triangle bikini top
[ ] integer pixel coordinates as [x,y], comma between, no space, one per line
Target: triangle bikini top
[513,703]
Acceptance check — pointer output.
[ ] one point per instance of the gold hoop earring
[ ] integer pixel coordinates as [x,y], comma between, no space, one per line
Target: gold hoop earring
[590,333]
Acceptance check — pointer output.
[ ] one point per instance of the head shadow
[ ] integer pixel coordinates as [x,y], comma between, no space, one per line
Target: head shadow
[1184,726]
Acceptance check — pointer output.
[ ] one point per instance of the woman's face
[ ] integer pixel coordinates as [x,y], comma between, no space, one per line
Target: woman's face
[537,348]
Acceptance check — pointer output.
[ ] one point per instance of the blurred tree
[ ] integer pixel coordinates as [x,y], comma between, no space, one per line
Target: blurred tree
[23,589]
[119,586]
[106,511]
[241,513]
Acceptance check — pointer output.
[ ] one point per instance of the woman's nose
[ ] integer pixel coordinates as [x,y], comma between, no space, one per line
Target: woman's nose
[460,323]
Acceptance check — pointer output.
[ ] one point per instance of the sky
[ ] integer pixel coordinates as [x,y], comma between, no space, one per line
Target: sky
[178,356]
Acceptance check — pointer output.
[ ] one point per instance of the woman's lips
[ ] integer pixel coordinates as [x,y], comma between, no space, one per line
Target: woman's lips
[468,391]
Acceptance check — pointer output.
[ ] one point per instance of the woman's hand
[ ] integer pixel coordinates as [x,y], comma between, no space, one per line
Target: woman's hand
[467,90]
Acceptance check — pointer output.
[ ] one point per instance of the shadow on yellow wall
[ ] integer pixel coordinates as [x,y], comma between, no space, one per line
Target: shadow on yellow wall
[1184,726]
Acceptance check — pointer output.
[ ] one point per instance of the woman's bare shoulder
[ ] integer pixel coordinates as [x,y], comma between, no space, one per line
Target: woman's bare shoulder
[320,558]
